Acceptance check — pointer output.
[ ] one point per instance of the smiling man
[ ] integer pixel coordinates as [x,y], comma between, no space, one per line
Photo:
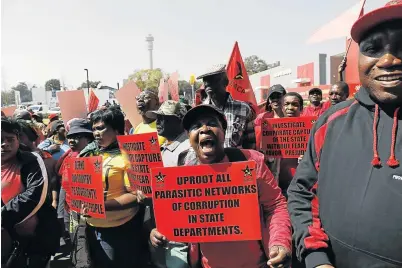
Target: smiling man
[345,199]
[148,100]
[206,126]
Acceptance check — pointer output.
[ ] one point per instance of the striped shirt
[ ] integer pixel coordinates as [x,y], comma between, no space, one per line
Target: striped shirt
[240,119]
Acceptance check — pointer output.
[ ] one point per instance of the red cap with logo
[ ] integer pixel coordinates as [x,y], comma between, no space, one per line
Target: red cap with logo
[391,11]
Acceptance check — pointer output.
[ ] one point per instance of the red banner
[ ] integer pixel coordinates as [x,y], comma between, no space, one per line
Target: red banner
[93,101]
[209,203]
[286,137]
[87,186]
[239,83]
[143,152]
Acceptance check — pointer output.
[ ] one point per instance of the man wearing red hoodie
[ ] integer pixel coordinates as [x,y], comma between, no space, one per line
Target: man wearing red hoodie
[206,126]
[345,199]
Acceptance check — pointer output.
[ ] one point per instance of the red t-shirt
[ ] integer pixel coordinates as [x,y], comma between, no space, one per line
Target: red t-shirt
[314,111]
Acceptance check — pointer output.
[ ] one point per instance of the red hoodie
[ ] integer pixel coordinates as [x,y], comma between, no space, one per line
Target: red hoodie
[276,228]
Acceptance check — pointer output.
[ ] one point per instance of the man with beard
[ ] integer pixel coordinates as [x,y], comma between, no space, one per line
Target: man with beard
[240,116]
[345,199]
[148,100]
[168,124]
[316,107]
[339,92]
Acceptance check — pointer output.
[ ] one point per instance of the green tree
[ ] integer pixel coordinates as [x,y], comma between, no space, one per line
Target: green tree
[146,78]
[92,84]
[52,84]
[25,93]
[255,65]
[7,97]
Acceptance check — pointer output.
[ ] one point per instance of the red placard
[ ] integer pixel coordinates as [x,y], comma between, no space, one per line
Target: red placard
[286,137]
[209,203]
[143,152]
[87,186]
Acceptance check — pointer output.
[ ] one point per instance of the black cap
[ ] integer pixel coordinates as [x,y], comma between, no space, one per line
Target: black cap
[276,89]
[24,115]
[315,89]
[79,126]
[203,109]
[55,125]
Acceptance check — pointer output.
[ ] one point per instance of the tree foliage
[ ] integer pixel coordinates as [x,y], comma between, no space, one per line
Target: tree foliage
[25,93]
[255,65]
[52,84]
[146,78]
[7,97]
[92,84]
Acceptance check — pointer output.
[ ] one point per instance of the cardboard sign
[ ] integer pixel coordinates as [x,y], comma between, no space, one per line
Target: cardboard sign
[286,137]
[87,186]
[72,104]
[143,152]
[207,203]
[126,97]
[9,111]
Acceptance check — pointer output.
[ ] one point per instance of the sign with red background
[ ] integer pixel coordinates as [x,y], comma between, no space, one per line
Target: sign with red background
[143,152]
[286,137]
[87,186]
[209,203]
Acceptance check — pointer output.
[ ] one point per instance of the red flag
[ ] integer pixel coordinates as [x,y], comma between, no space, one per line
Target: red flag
[93,101]
[239,83]
[340,26]
[173,84]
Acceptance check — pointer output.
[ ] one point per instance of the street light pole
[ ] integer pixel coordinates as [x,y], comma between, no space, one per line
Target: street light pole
[87,79]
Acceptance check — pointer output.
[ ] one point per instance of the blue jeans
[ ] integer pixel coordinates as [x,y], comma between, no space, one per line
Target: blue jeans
[119,246]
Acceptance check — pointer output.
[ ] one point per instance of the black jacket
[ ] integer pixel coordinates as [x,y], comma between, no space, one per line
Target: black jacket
[345,208]
[33,201]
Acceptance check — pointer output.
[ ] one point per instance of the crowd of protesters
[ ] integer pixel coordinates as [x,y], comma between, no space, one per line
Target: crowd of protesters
[338,205]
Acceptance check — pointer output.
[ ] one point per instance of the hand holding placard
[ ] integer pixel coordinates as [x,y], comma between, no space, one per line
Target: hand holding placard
[87,186]
[206,202]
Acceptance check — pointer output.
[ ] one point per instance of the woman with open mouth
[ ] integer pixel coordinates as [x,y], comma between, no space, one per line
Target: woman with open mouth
[206,127]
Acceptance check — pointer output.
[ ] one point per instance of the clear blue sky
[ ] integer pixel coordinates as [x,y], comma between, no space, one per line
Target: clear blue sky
[44,39]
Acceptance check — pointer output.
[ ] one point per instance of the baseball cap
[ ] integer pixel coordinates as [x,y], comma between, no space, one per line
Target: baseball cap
[169,108]
[276,89]
[216,69]
[79,126]
[51,116]
[203,109]
[315,89]
[391,11]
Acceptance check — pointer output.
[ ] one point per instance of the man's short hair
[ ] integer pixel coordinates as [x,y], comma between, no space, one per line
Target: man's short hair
[112,117]
[298,96]
[344,86]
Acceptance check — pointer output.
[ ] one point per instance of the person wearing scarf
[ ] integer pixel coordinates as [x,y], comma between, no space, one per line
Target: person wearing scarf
[113,241]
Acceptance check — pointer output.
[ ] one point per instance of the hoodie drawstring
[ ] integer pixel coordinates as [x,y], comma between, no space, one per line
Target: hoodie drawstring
[392,161]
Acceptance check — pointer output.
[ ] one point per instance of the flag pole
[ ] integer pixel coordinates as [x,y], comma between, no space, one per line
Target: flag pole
[350,41]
